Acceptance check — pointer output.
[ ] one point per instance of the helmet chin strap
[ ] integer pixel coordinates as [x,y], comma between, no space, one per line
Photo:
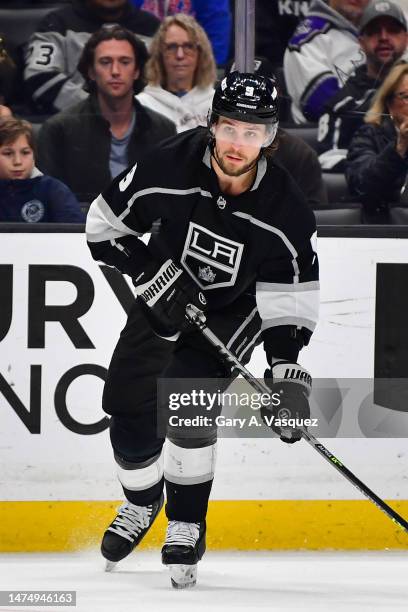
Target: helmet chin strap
[214,155]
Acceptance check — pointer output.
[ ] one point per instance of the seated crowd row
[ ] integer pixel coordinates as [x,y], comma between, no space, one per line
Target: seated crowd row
[116,117]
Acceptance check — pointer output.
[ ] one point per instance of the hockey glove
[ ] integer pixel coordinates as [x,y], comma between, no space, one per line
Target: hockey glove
[166,296]
[293,384]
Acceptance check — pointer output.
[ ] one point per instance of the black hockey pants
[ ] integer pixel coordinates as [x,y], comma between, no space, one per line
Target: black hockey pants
[130,396]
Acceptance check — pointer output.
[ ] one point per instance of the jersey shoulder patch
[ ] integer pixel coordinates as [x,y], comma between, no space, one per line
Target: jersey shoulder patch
[307,30]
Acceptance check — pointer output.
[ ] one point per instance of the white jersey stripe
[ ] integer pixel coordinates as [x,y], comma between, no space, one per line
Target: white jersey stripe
[102,223]
[299,306]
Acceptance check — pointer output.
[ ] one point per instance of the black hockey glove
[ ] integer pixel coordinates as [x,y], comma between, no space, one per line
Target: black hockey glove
[166,296]
[293,384]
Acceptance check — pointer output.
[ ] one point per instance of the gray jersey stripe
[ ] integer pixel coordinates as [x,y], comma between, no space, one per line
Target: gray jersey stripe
[282,287]
[277,232]
[151,190]
[260,173]
[254,339]
[297,321]
[241,327]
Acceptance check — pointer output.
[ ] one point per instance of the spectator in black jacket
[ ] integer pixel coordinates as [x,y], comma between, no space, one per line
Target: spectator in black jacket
[377,161]
[90,143]
[384,40]
[51,75]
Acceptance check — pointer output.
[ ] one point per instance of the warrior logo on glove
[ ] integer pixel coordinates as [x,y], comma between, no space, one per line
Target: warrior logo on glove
[165,276]
[167,295]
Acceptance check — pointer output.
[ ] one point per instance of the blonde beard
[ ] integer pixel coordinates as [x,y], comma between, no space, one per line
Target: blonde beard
[238,171]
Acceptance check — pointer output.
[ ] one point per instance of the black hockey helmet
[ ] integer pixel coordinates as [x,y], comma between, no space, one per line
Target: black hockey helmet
[247,97]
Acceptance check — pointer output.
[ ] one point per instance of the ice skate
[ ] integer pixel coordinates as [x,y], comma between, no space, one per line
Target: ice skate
[127,530]
[183,548]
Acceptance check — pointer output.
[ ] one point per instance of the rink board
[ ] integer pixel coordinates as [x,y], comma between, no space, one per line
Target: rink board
[54,449]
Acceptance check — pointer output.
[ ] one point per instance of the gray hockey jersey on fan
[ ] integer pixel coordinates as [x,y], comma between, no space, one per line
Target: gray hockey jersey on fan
[261,241]
[321,55]
[53,52]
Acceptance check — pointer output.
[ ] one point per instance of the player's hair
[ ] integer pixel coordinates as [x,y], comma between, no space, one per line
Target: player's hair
[11,128]
[87,59]
[385,93]
[274,146]
[205,74]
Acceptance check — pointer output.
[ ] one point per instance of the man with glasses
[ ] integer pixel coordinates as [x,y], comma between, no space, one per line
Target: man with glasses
[180,73]
[237,241]
[384,40]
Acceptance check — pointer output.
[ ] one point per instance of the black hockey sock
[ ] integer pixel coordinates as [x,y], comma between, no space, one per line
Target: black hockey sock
[145,497]
[187,503]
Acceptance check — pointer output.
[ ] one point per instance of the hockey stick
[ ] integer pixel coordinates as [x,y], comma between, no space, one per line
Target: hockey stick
[198,318]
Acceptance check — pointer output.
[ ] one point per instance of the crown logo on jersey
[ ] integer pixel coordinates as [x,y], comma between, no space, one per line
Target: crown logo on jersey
[221,203]
[206,274]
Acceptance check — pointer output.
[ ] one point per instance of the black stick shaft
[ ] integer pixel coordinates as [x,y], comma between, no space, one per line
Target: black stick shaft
[333,460]
[198,318]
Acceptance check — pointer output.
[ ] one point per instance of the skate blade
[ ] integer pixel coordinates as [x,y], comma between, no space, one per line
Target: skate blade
[110,565]
[183,576]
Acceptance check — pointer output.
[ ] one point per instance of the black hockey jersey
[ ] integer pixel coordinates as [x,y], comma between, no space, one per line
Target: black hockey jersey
[263,239]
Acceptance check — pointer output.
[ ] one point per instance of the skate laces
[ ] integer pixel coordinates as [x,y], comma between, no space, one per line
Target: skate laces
[182,534]
[131,520]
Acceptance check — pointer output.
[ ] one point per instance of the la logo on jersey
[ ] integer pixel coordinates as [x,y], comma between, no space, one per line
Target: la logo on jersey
[221,257]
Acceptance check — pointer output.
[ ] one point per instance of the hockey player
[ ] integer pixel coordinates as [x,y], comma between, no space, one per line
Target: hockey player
[236,239]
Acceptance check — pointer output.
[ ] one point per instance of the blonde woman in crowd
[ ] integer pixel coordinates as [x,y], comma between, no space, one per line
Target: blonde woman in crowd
[180,73]
[377,161]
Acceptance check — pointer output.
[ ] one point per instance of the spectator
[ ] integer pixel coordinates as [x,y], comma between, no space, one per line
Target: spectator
[25,193]
[384,39]
[108,131]
[275,23]
[51,74]
[321,55]
[213,15]
[180,73]
[377,161]
[8,74]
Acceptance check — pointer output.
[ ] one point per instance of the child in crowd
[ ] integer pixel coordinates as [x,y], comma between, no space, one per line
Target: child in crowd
[25,193]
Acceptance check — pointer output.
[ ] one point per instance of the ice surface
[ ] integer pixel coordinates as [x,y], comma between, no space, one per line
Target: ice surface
[279,582]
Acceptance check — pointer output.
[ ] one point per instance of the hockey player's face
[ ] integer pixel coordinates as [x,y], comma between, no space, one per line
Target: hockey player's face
[237,145]
[384,41]
[114,69]
[16,159]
